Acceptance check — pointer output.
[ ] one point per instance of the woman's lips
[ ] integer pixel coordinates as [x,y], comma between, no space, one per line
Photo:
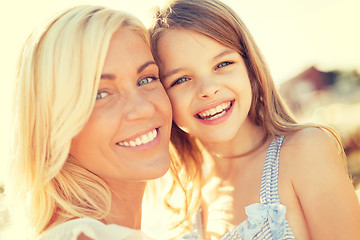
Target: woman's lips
[144,139]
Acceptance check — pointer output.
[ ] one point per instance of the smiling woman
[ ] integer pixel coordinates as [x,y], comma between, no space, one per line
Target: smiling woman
[92,126]
[127,121]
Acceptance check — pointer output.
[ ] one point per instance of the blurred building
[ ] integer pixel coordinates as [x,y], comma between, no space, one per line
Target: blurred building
[331,98]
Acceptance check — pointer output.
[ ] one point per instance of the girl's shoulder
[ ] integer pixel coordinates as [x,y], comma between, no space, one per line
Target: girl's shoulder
[306,137]
[312,156]
[313,163]
[311,147]
[89,228]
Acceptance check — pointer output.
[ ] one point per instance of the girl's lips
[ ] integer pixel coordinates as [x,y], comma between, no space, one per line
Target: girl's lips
[216,114]
[146,140]
[214,110]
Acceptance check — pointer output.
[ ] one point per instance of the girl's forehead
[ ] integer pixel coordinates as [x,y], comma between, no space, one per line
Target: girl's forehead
[189,42]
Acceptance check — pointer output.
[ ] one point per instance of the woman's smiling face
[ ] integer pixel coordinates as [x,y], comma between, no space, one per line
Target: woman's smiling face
[207,83]
[127,135]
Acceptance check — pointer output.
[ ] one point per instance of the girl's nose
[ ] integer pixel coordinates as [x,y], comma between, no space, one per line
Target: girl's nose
[208,88]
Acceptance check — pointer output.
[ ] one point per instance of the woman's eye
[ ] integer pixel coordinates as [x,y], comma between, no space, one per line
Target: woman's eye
[222,64]
[101,95]
[147,80]
[180,80]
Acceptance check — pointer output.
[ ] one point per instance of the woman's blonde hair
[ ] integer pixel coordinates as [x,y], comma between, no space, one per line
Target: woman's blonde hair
[219,22]
[57,81]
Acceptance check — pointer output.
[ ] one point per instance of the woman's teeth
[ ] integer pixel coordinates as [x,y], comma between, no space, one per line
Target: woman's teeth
[140,140]
[215,112]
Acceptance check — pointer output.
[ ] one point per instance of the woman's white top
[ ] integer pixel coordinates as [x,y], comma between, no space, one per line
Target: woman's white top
[93,229]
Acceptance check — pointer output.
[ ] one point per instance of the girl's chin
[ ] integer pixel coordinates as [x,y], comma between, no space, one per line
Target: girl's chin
[217,139]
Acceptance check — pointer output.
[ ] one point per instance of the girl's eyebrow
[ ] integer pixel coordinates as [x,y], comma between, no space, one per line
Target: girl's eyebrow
[172,72]
[224,53]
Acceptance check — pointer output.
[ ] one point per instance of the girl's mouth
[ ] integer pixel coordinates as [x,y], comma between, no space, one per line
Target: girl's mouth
[215,112]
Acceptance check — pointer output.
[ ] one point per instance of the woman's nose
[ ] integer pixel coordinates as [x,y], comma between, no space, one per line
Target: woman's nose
[139,107]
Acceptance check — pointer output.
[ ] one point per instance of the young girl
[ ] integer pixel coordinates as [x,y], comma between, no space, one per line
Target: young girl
[265,176]
[92,126]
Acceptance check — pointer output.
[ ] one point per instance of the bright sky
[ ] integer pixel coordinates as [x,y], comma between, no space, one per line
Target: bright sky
[292,35]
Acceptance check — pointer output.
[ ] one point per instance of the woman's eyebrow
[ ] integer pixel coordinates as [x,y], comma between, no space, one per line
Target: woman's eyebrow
[145,65]
[109,76]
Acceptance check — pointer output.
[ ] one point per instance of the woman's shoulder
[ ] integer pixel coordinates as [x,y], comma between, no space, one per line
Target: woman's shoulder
[89,228]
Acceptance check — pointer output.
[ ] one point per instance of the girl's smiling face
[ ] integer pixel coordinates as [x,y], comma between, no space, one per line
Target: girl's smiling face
[127,135]
[207,83]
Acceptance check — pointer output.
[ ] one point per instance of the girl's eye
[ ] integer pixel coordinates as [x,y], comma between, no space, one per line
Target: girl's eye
[101,95]
[147,80]
[180,80]
[222,64]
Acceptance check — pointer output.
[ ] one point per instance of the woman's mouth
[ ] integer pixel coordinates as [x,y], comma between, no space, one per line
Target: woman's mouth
[215,112]
[146,138]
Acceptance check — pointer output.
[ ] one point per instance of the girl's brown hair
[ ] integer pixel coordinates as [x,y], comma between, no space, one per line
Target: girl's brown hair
[217,21]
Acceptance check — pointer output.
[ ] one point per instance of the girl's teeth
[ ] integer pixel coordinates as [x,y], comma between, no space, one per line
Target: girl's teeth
[218,110]
[140,140]
[216,116]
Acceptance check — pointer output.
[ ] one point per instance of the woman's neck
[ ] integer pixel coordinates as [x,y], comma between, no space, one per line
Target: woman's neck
[126,204]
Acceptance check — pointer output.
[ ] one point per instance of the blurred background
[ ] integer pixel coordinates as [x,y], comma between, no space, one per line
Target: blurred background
[312,49]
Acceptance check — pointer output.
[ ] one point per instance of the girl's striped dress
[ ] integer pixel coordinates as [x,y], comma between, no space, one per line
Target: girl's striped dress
[266,220]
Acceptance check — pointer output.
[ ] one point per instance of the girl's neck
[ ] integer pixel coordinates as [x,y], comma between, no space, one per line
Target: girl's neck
[126,204]
[247,142]
[247,138]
